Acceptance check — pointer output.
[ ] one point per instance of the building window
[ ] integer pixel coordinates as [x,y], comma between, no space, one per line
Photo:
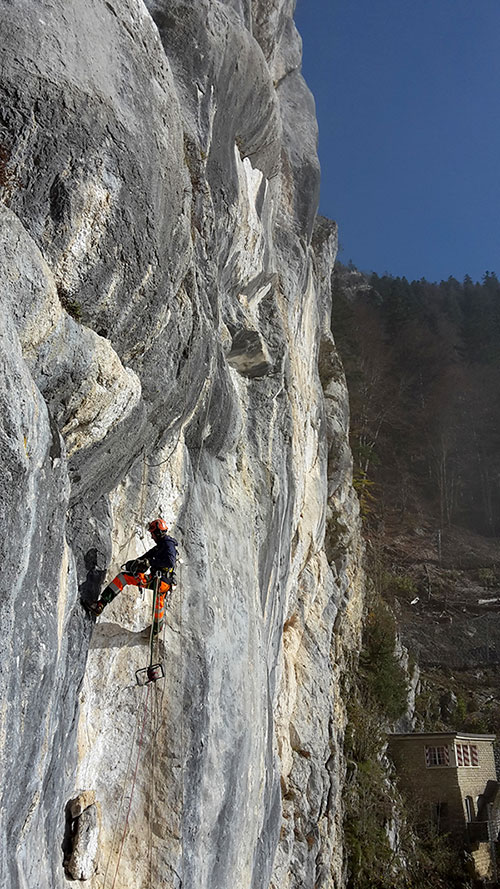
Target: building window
[467,755]
[469,808]
[437,756]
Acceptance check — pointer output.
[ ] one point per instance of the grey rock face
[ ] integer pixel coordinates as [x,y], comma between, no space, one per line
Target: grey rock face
[164,289]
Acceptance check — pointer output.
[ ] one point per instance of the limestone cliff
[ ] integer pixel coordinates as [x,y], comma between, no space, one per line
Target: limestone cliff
[166,350]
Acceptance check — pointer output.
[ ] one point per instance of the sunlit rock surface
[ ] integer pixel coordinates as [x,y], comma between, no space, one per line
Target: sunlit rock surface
[165,299]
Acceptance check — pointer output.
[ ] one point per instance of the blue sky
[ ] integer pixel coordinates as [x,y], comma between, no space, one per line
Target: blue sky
[407,100]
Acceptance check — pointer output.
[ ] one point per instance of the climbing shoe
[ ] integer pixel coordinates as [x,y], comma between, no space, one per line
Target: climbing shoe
[95,607]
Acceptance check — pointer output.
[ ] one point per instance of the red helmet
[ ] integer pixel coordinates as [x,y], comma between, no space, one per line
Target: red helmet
[158,526]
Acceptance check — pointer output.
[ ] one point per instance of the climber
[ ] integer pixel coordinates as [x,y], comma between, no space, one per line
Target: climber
[159,561]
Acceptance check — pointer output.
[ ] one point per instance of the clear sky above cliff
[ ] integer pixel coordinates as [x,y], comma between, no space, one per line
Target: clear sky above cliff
[407,97]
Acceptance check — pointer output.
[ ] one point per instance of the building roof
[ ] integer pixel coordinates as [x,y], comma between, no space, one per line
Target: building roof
[435,736]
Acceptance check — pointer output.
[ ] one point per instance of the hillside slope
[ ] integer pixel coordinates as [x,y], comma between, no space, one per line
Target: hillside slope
[422,364]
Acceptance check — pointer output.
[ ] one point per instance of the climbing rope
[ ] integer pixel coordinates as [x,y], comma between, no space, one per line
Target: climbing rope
[142,498]
[164,640]
[156,711]
[173,450]
[166,460]
[140,513]
[157,698]
[133,786]
[181,647]
[209,402]
[144,482]
[151,796]
[183,392]
[156,587]
[125,782]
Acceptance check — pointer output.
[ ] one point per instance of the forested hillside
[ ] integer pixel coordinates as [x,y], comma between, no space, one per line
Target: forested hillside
[423,368]
[422,362]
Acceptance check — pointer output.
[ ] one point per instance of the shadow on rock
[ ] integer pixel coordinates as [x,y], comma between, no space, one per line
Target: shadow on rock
[89,589]
[110,635]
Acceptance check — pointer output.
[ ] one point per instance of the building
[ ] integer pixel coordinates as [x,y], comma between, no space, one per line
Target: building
[451,780]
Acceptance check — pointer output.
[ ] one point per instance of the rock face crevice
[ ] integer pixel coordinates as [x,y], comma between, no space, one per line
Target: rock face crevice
[166,350]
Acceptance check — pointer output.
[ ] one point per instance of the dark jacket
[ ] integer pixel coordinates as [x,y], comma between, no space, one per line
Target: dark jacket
[163,555]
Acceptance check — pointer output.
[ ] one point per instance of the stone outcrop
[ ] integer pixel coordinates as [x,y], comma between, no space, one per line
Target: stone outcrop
[166,349]
[83,837]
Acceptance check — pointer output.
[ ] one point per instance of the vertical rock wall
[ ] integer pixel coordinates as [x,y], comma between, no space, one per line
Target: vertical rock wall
[166,350]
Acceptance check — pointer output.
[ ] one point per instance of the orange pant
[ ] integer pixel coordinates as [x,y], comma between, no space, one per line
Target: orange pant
[140,580]
[159,613]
